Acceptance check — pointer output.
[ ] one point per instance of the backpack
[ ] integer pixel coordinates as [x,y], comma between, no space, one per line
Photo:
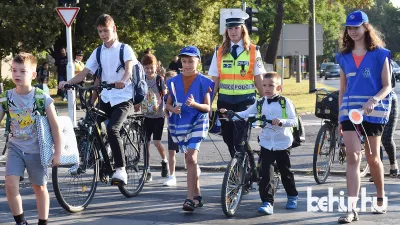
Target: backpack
[298,131]
[139,84]
[39,106]
[149,103]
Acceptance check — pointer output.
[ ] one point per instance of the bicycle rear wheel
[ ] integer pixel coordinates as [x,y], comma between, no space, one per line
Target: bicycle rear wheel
[232,187]
[136,158]
[322,158]
[75,185]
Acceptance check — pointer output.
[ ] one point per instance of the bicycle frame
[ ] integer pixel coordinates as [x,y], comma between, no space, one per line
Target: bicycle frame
[93,130]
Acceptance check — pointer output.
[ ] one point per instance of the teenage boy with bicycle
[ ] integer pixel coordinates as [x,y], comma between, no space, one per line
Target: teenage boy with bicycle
[116,103]
[275,143]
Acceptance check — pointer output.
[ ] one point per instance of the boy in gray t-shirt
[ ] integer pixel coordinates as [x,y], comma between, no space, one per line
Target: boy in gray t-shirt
[154,123]
[23,146]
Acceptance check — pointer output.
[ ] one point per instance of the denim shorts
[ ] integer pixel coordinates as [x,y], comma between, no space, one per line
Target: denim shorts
[17,161]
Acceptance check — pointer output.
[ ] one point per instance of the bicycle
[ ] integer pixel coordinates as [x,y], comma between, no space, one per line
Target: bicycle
[242,171]
[328,139]
[75,186]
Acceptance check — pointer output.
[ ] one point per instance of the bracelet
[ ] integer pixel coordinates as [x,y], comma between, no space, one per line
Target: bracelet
[373,100]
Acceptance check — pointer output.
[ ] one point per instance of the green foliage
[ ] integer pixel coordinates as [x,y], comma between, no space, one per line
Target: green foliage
[8,84]
[52,83]
[27,26]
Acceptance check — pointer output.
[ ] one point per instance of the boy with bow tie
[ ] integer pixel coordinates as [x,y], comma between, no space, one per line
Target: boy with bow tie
[275,144]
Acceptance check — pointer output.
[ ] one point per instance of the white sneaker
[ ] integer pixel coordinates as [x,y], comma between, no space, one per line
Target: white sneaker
[171,181]
[120,174]
[64,99]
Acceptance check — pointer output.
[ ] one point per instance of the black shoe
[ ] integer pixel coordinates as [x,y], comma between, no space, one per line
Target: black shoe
[164,169]
[22,223]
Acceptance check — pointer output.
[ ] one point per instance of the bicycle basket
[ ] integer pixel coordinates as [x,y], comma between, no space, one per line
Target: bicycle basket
[326,105]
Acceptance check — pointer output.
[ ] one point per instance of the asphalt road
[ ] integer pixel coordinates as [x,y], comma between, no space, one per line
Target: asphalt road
[162,205]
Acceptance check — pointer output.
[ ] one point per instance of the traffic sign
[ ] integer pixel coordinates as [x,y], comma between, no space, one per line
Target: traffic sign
[67,14]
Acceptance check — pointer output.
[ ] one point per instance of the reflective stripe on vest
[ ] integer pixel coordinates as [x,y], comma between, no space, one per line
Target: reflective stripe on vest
[232,82]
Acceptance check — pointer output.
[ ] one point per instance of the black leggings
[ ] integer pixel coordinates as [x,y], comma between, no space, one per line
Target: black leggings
[388,131]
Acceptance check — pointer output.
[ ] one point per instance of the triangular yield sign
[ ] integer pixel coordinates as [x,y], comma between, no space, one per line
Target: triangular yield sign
[67,14]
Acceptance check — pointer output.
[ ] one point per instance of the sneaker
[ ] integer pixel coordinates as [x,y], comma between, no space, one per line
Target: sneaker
[266,208]
[149,178]
[164,169]
[291,202]
[22,223]
[64,99]
[120,174]
[171,181]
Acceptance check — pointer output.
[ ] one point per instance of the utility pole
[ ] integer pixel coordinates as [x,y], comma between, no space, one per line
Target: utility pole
[312,60]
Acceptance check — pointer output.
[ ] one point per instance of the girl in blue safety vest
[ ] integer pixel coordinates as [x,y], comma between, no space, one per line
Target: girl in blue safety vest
[189,101]
[365,85]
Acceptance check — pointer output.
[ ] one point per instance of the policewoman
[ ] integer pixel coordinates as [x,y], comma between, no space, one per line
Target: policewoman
[236,69]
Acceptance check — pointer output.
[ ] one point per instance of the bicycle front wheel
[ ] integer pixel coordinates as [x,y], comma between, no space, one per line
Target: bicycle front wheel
[322,158]
[136,158]
[364,167]
[232,187]
[75,185]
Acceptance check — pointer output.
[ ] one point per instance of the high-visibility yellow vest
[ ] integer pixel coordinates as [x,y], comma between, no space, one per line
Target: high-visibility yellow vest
[79,66]
[236,76]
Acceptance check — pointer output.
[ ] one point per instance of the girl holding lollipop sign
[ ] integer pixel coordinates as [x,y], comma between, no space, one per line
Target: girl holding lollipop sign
[190,103]
[365,101]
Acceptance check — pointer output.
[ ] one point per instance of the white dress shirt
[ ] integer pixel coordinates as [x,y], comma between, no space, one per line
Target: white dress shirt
[269,139]
[109,58]
[258,68]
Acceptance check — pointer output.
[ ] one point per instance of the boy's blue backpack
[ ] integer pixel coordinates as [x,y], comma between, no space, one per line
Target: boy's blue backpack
[298,131]
[139,84]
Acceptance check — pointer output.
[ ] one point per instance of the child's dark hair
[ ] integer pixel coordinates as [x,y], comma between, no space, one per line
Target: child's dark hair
[149,59]
[25,58]
[45,63]
[170,73]
[272,75]
[104,20]
[372,39]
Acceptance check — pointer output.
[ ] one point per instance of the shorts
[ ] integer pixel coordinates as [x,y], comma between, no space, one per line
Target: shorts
[371,129]
[154,126]
[17,161]
[171,144]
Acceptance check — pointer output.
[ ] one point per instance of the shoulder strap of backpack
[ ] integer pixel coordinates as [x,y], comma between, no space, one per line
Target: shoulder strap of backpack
[260,103]
[282,102]
[98,53]
[158,83]
[121,57]
[39,101]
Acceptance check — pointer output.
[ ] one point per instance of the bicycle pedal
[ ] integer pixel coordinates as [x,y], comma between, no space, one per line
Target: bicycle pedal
[117,182]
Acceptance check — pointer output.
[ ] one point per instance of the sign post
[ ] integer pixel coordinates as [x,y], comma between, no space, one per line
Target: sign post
[68,14]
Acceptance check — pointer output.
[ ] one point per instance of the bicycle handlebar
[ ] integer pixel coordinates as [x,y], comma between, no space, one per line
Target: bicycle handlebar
[230,114]
[103,85]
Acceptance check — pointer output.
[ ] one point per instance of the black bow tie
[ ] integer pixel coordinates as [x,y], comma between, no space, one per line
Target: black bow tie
[274,99]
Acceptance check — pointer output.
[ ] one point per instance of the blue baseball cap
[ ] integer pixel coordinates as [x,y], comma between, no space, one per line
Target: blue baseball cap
[190,51]
[356,19]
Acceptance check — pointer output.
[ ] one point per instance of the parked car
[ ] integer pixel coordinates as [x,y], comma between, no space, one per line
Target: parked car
[322,69]
[332,71]
[395,70]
